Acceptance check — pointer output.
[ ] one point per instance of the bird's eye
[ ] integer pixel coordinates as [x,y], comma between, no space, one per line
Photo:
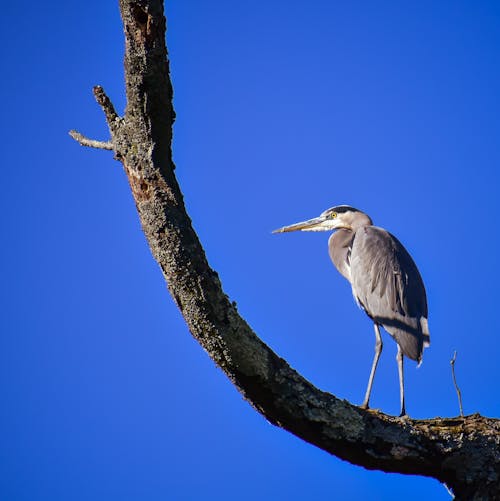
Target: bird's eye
[333,215]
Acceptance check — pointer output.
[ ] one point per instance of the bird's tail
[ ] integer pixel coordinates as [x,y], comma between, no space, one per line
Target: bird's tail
[426,338]
[424,324]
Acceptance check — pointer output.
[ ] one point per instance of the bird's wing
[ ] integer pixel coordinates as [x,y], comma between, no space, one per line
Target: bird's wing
[388,285]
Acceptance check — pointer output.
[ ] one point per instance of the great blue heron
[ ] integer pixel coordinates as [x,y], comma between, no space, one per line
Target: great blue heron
[384,278]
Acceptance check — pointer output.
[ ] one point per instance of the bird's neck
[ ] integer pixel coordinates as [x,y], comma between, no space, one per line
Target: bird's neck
[339,248]
[361,221]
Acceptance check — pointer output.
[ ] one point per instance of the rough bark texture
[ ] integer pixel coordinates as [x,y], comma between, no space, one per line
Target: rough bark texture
[462,452]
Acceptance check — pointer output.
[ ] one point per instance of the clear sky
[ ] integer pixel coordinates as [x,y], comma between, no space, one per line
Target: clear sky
[284,109]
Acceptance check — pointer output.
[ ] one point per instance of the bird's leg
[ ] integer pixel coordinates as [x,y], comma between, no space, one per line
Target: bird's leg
[399,358]
[378,351]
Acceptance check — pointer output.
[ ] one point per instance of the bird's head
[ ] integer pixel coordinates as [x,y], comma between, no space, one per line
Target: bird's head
[340,216]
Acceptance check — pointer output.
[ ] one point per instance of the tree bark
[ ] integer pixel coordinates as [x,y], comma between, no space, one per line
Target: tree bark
[462,452]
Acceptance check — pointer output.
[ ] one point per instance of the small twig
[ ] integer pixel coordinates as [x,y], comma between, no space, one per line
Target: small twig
[92,143]
[459,394]
[105,103]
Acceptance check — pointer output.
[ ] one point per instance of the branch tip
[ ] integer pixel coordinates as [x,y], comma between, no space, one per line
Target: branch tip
[105,103]
[91,143]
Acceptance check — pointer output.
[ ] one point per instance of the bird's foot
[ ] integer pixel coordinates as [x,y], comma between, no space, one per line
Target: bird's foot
[366,407]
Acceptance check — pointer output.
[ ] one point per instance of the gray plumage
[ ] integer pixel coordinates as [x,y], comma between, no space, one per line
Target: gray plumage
[384,278]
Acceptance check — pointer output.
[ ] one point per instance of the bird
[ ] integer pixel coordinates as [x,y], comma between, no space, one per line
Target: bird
[385,283]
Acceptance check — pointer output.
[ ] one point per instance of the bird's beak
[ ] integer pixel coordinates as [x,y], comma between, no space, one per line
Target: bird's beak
[316,224]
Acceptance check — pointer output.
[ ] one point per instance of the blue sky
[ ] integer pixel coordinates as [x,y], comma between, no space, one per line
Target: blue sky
[284,109]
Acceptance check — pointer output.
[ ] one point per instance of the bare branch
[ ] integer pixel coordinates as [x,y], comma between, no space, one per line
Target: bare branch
[459,393]
[112,120]
[91,143]
[105,103]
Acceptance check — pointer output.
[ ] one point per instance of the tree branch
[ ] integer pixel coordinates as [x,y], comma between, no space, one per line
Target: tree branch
[462,452]
[112,119]
[91,143]
[105,103]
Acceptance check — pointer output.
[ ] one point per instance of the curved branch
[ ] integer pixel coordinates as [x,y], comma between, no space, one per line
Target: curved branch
[462,452]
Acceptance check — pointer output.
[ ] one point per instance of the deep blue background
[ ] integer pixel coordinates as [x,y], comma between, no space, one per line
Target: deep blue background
[284,109]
